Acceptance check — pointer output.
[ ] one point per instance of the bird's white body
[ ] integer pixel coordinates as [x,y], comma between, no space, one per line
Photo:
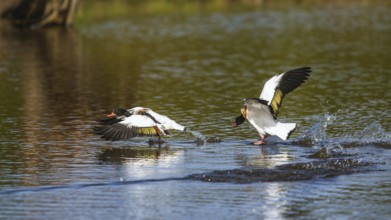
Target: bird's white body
[262,120]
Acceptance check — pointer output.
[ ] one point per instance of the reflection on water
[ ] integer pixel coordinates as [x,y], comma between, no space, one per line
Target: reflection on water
[116,155]
[55,83]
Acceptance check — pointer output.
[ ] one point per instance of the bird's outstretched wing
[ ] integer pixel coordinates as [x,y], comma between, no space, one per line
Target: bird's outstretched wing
[129,127]
[164,121]
[275,89]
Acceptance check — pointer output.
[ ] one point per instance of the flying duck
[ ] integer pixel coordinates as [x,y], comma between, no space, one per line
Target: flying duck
[123,124]
[262,112]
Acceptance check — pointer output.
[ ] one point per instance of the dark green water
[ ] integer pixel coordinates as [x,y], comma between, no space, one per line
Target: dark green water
[196,69]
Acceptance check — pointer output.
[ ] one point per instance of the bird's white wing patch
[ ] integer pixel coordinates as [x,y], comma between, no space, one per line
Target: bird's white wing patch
[141,121]
[165,121]
[269,88]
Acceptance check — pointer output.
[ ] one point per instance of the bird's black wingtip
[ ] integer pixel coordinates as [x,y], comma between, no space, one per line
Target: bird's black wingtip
[291,132]
[305,69]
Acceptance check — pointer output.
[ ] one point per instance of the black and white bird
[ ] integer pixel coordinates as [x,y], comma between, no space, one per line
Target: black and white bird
[123,124]
[262,112]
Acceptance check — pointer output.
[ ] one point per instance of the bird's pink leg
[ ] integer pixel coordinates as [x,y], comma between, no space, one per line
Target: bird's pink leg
[261,140]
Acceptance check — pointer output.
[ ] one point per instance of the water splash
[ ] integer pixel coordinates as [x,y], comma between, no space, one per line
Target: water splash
[373,134]
[317,134]
[202,139]
[373,131]
[329,152]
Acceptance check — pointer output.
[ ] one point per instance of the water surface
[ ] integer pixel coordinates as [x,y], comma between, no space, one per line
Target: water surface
[196,69]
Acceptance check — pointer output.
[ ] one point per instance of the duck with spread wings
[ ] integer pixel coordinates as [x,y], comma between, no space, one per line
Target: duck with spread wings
[123,124]
[262,112]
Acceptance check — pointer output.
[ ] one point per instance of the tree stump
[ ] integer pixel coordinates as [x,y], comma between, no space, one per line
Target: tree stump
[41,13]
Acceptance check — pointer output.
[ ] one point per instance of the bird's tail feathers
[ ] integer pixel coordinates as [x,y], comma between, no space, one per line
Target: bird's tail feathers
[282,130]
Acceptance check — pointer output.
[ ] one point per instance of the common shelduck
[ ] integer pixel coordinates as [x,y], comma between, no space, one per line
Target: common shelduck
[262,112]
[123,124]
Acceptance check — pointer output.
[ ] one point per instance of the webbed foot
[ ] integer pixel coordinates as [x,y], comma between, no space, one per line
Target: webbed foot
[260,142]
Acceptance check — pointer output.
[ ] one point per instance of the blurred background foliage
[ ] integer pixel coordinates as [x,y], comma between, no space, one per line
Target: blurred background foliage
[95,10]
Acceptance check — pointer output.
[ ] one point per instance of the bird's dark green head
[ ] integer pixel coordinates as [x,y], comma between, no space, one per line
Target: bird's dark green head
[239,120]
